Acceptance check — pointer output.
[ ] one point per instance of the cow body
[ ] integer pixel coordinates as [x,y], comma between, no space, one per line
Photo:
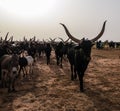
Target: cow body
[26,64]
[79,58]
[9,70]
[59,53]
[48,50]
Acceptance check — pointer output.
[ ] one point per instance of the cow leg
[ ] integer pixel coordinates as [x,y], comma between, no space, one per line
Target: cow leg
[31,70]
[9,85]
[13,85]
[4,78]
[72,78]
[48,60]
[13,78]
[24,71]
[19,72]
[39,54]
[0,71]
[81,84]
[21,68]
[57,60]
[75,74]
[61,62]
[2,83]
[81,81]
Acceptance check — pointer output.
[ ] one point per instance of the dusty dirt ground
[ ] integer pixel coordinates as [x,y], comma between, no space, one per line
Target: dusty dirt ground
[50,88]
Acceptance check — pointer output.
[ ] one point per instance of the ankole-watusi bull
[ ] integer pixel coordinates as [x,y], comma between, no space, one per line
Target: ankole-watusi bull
[80,56]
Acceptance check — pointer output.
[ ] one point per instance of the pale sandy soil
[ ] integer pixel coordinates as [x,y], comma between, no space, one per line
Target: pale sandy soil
[51,89]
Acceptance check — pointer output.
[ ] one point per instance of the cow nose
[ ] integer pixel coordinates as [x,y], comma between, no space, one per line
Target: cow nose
[14,72]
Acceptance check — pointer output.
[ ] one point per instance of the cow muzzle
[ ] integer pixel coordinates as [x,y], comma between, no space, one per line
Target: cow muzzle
[14,72]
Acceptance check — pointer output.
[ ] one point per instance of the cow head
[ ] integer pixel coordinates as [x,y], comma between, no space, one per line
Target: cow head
[79,41]
[86,45]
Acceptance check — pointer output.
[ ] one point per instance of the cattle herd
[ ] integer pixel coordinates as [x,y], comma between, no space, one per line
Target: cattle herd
[17,56]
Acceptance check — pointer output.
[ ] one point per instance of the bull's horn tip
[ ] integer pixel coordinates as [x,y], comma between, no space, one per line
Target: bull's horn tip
[105,20]
[61,23]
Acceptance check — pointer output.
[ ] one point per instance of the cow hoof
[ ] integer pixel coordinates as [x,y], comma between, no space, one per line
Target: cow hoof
[23,75]
[14,90]
[9,91]
[81,90]
[17,76]
[75,77]
[1,86]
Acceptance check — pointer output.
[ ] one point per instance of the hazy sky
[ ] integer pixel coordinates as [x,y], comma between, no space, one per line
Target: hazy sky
[41,18]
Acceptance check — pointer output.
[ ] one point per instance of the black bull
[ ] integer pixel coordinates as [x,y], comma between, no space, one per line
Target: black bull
[79,57]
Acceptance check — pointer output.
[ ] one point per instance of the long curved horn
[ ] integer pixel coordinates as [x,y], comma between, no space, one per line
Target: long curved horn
[77,40]
[67,40]
[63,40]
[100,34]
[52,40]
[6,36]
[69,35]
[10,38]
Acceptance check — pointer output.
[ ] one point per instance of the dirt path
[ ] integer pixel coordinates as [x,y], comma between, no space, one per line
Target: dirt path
[51,89]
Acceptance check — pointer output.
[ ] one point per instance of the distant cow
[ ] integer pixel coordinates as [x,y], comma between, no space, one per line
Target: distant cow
[9,70]
[48,50]
[59,53]
[25,63]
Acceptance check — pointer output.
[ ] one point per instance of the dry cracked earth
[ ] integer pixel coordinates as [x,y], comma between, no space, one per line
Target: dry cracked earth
[51,89]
